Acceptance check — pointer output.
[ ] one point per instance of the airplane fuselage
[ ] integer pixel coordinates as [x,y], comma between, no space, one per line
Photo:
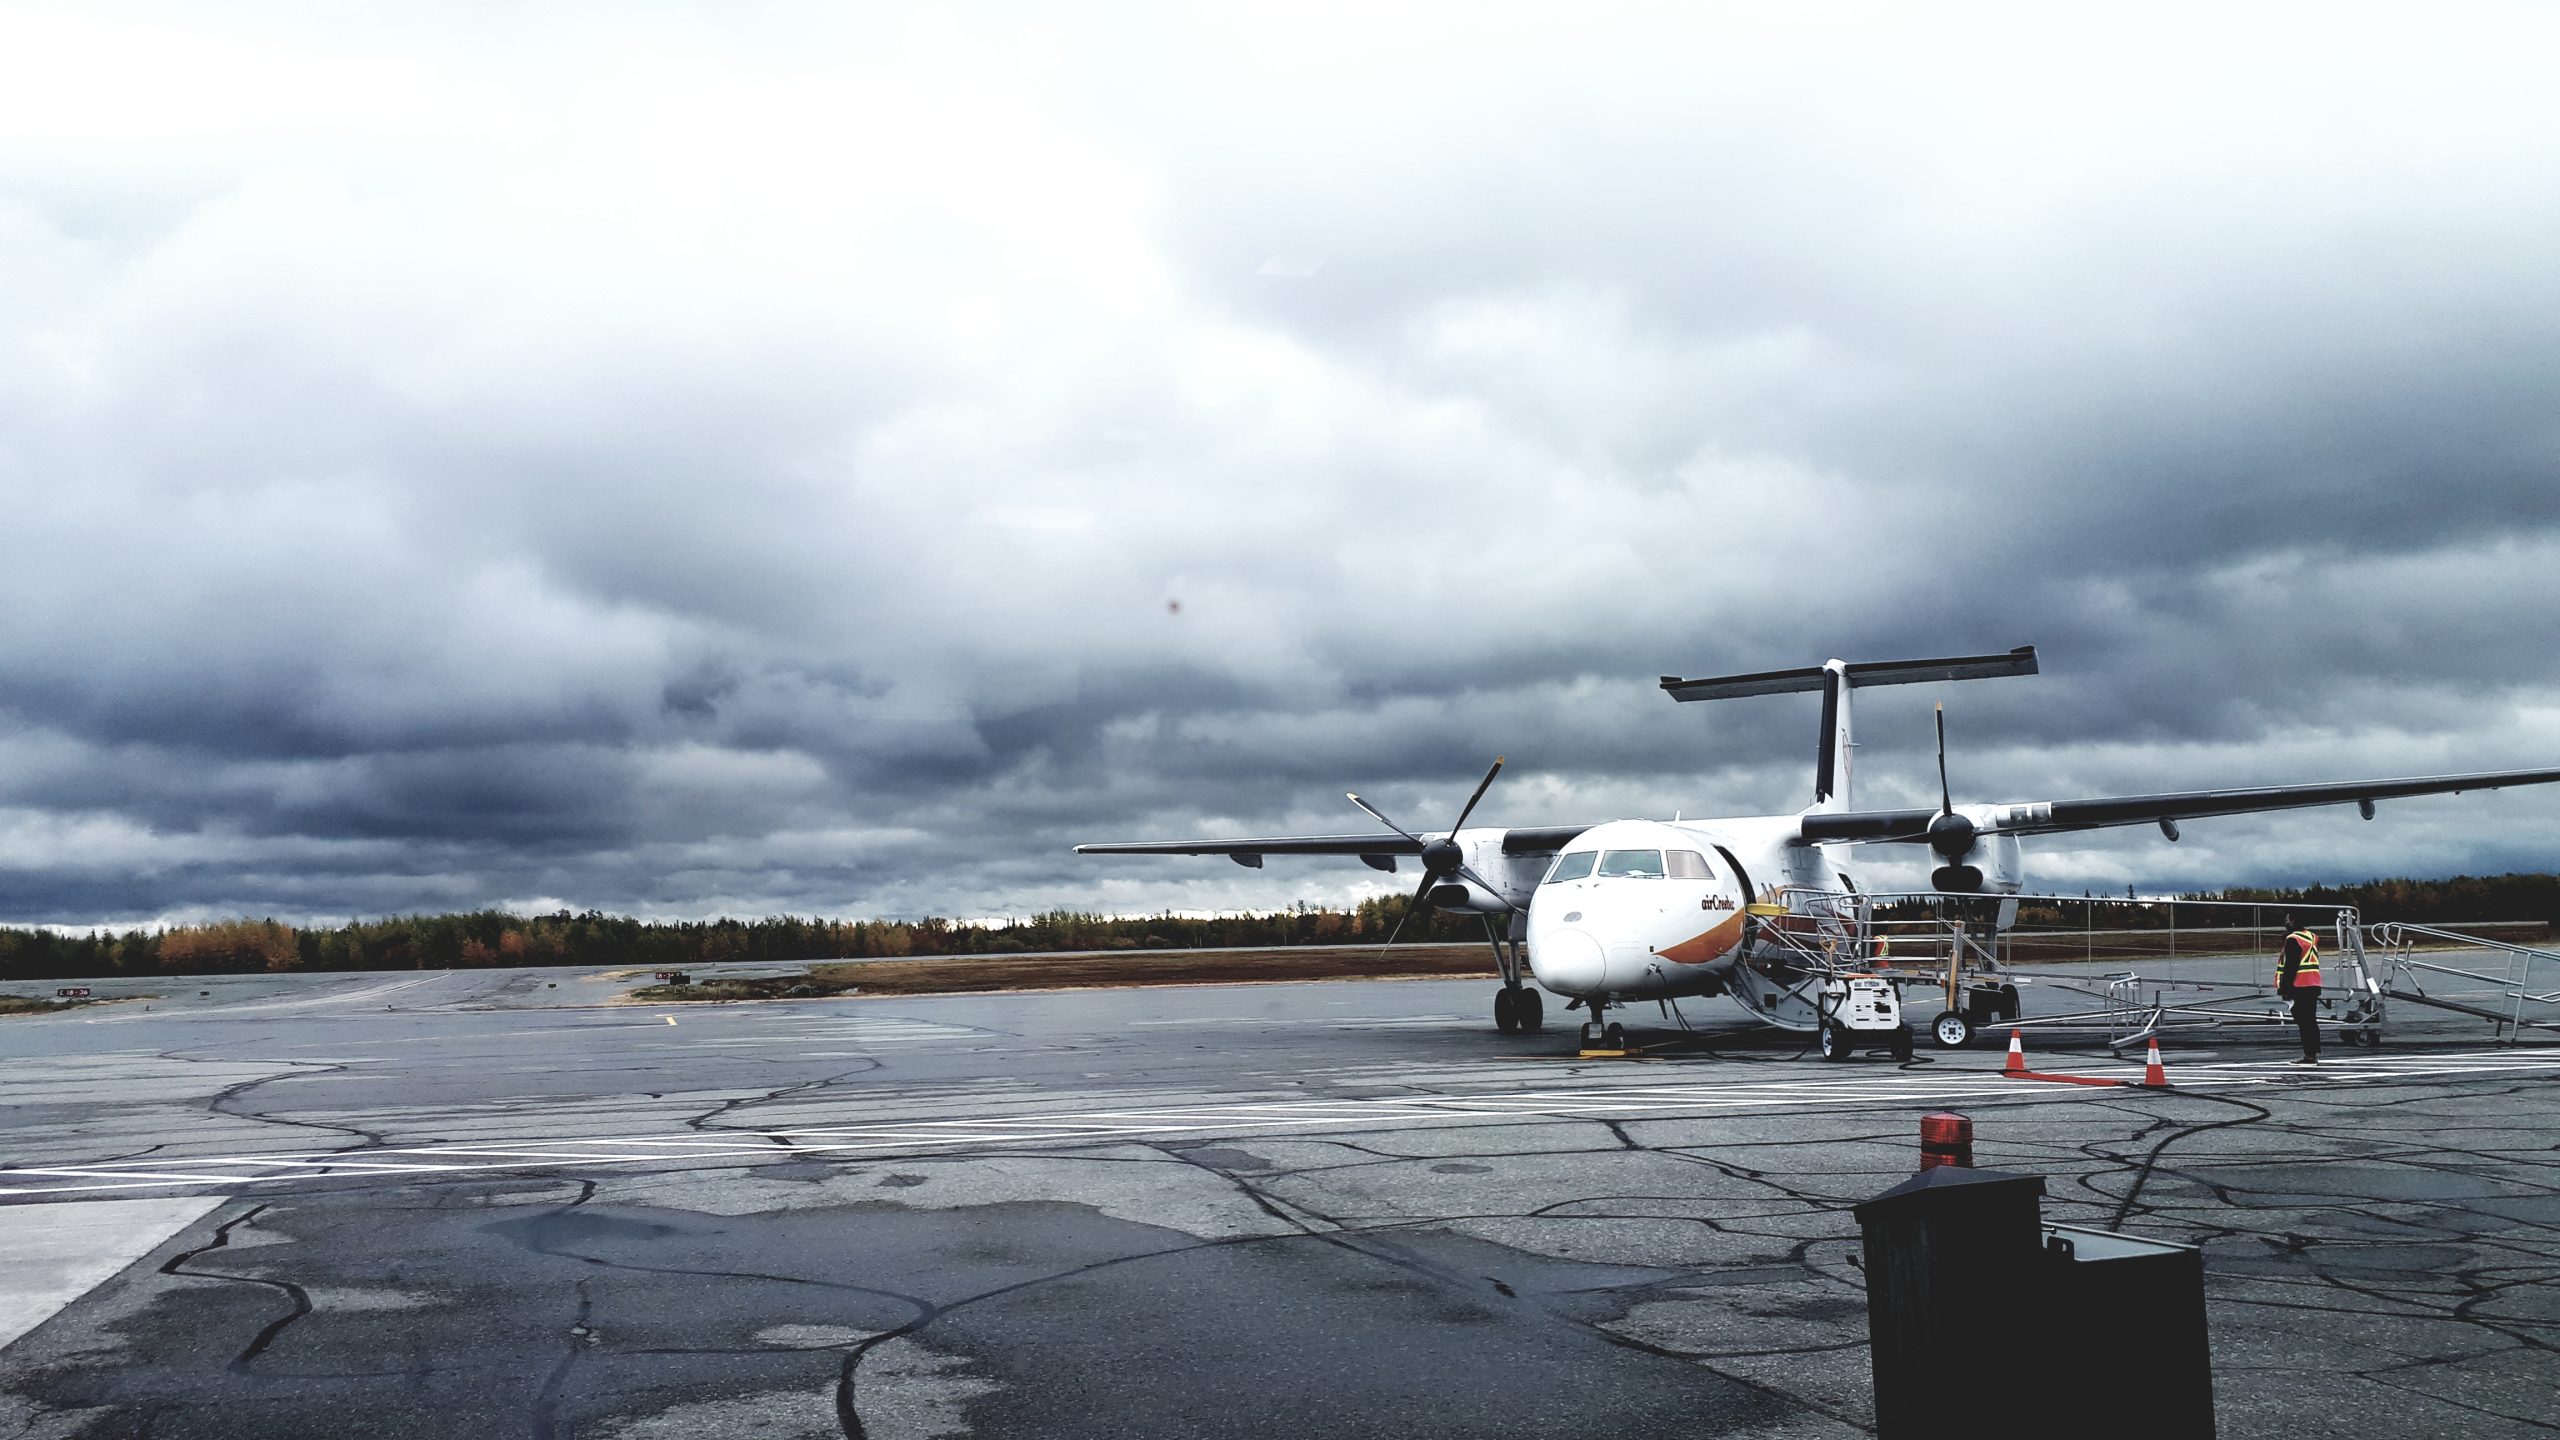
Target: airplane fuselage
[1647,909]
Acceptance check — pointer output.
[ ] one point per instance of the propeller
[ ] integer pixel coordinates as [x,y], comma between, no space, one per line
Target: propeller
[1443,858]
[1951,835]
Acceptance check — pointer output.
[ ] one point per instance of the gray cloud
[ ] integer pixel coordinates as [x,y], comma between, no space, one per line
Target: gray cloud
[697,460]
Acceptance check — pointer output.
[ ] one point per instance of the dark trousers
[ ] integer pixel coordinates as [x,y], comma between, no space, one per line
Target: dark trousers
[2306,1018]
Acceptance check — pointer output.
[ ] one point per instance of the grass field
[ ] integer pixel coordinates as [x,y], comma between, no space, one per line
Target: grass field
[963,974]
[35,1005]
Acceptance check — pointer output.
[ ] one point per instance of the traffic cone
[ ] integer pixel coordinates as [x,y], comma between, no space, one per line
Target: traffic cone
[2153,1076]
[2016,1064]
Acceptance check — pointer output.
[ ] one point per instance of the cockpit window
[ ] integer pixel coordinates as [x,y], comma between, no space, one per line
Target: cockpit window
[1687,865]
[1571,867]
[1645,864]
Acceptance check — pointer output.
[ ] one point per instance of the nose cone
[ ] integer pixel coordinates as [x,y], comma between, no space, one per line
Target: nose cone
[1568,962]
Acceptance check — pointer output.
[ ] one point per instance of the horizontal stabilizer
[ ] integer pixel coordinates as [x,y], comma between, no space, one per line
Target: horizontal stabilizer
[2021,661]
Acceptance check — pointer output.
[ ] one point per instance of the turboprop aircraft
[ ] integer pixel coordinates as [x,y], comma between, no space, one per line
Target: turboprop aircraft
[1633,910]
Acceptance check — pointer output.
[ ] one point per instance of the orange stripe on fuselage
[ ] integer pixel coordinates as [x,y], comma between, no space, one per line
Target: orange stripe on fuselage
[1699,949]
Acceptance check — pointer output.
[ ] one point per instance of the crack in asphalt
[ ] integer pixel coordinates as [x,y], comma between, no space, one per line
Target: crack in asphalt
[299,1298]
[1347,1237]
[703,1121]
[545,1417]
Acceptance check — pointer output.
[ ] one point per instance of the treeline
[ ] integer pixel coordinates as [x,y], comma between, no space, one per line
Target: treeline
[491,938]
[2460,900]
[2421,902]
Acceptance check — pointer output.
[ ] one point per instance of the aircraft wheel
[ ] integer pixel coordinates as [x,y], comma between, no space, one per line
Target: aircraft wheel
[1951,1030]
[1506,1010]
[1614,1038]
[1586,1035]
[1532,1010]
[1902,1042]
[1835,1041]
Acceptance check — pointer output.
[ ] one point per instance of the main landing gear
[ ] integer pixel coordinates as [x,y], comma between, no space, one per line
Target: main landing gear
[1518,1008]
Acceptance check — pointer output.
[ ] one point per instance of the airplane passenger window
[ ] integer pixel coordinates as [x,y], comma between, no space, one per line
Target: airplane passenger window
[1687,865]
[1644,864]
[1571,867]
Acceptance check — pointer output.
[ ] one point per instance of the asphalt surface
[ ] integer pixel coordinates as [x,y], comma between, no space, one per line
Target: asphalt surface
[491,1203]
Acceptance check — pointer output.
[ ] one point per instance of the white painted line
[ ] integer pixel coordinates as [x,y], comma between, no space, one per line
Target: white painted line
[197,1177]
[51,1255]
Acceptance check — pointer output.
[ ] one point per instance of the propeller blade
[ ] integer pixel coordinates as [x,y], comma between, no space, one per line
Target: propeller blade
[1946,796]
[1381,819]
[1481,787]
[1410,906]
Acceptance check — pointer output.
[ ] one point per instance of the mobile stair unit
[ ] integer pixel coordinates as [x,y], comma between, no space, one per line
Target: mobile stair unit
[2121,970]
[2514,987]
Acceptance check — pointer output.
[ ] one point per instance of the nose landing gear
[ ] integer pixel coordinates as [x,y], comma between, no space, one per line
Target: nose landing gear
[1601,1033]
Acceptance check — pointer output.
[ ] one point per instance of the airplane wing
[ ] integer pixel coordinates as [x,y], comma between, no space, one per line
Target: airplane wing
[1528,840]
[2051,817]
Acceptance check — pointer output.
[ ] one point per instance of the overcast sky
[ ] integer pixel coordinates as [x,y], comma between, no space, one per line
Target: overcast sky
[742,458]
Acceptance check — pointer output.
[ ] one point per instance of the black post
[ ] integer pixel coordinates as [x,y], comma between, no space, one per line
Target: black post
[1953,1257]
[2140,1304]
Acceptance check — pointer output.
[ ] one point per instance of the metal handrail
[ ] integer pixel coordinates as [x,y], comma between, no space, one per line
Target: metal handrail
[2506,979]
[2404,937]
[2397,933]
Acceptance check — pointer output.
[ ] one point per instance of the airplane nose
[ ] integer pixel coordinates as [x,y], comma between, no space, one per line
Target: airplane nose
[1569,962]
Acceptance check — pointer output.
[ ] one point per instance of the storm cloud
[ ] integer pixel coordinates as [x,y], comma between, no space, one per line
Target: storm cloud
[686,460]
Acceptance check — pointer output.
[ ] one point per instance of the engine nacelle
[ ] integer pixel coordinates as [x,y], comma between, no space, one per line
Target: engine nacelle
[1990,862]
[1464,897]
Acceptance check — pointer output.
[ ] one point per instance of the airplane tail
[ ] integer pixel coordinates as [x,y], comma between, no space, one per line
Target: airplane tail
[1835,679]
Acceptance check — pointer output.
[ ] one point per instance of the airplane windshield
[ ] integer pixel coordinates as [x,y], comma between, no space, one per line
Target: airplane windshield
[1572,867]
[1645,864]
[1687,865]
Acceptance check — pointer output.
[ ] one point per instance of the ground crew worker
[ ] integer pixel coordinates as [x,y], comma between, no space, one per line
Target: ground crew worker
[2298,980]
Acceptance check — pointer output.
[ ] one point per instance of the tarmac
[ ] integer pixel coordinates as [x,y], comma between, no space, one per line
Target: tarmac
[492,1203]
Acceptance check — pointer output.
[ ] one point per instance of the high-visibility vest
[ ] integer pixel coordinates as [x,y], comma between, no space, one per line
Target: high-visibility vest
[2306,975]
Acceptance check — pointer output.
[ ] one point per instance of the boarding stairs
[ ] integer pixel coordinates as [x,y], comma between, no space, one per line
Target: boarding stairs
[2516,987]
[2140,968]
[1810,937]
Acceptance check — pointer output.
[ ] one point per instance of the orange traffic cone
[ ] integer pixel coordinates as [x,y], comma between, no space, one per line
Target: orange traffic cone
[2152,1074]
[2016,1064]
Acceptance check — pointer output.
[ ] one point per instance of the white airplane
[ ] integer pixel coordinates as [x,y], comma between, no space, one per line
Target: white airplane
[1634,910]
